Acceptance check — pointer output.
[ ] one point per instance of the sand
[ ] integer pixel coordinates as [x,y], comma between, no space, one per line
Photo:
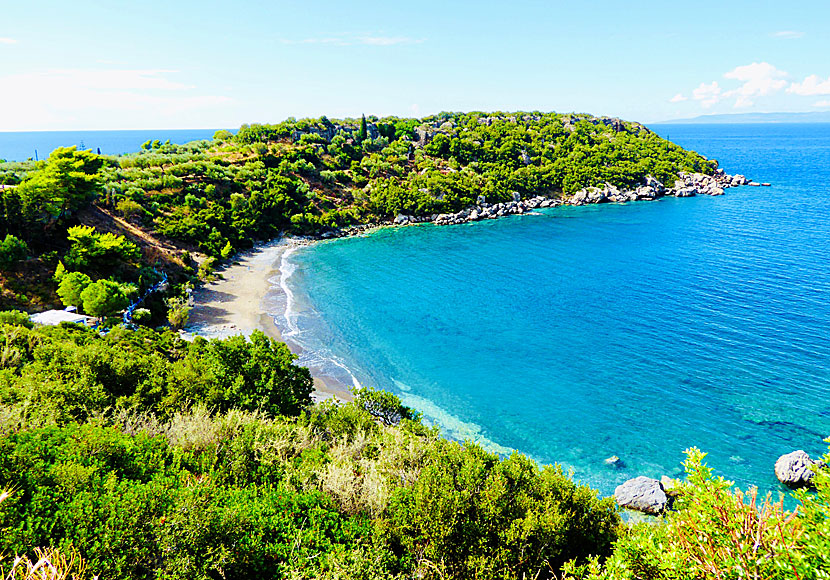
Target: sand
[232,305]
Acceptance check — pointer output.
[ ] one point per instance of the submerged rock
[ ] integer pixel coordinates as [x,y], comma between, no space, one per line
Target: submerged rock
[795,469]
[642,494]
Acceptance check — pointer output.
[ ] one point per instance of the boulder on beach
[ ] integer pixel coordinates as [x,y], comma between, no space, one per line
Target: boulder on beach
[796,469]
[642,494]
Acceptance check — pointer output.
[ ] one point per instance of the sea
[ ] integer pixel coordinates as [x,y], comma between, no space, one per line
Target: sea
[20,146]
[575,334]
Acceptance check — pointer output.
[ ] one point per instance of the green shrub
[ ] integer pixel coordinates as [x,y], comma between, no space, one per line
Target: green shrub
[130,209]
[15,318]
[178,312]
[12,250]
[470,515]
[91,249]
[717,531]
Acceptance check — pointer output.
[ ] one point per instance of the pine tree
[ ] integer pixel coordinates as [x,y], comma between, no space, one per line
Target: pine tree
[363,129]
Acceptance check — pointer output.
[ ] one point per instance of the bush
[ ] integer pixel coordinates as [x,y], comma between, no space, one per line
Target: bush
[264,376]
[178,312]
[470,515]
[91,249]
[12,250]
[142,316]
[716,531]
[130,209]
[15,318]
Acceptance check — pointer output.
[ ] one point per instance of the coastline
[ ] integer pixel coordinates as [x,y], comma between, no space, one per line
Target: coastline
[233,305]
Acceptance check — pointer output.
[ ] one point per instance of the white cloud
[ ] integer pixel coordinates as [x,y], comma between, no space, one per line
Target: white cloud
[708,95]
[810,86]
[7,40]
[788,34]
[825,104]
[65,98]
[357,40]
[678,98]
[388,40]
[759,78]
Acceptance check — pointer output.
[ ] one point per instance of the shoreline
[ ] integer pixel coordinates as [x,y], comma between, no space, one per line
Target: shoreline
[233,305]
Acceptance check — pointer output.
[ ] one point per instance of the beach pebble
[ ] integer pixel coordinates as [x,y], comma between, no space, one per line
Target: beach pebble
[642,494]
[795,469]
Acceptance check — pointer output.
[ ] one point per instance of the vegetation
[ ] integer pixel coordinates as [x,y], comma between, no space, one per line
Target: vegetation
[135,454]
[717,531]
[119,218]
[138,455]
[151,457]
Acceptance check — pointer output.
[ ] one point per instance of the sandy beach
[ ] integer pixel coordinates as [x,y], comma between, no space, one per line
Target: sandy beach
[232,305]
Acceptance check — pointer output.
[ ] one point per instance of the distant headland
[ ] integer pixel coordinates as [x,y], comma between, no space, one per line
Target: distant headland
[747,118]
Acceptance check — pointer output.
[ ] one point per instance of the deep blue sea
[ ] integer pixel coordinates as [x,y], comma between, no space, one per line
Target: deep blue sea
[577,333]
[19,146]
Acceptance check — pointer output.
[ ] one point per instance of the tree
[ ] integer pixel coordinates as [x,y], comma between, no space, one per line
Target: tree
[364,130]
[68,180]
[72,284]
[103,298]
[222,135]
[12,250]
[93,249]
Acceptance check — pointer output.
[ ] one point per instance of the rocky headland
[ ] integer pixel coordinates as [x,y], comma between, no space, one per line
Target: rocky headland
[688,185]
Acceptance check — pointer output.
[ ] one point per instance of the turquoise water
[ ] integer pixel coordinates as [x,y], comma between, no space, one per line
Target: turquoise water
[21,145]
[574,334]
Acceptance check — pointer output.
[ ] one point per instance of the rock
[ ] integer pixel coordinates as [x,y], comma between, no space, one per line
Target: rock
[795,469]
[647,192]
[525,158]
[765,184]
[615,461]
[474,215]
[481,200]
[685,192]
[401,219]
[516,196]
[642,494]
[655,184]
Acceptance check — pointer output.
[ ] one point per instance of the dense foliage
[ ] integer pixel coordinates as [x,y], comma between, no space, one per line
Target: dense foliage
[154,458]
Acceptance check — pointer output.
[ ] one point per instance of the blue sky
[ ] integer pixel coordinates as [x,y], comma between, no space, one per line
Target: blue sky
[182,64]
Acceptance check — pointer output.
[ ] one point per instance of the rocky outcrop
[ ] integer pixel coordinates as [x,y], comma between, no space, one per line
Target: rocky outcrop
[495,210]
[796,469]
[642,494]
[688,185]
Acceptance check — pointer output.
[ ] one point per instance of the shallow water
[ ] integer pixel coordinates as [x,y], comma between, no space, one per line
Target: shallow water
[574,334]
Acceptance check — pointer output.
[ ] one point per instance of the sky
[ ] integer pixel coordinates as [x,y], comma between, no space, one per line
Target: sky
[178,64]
